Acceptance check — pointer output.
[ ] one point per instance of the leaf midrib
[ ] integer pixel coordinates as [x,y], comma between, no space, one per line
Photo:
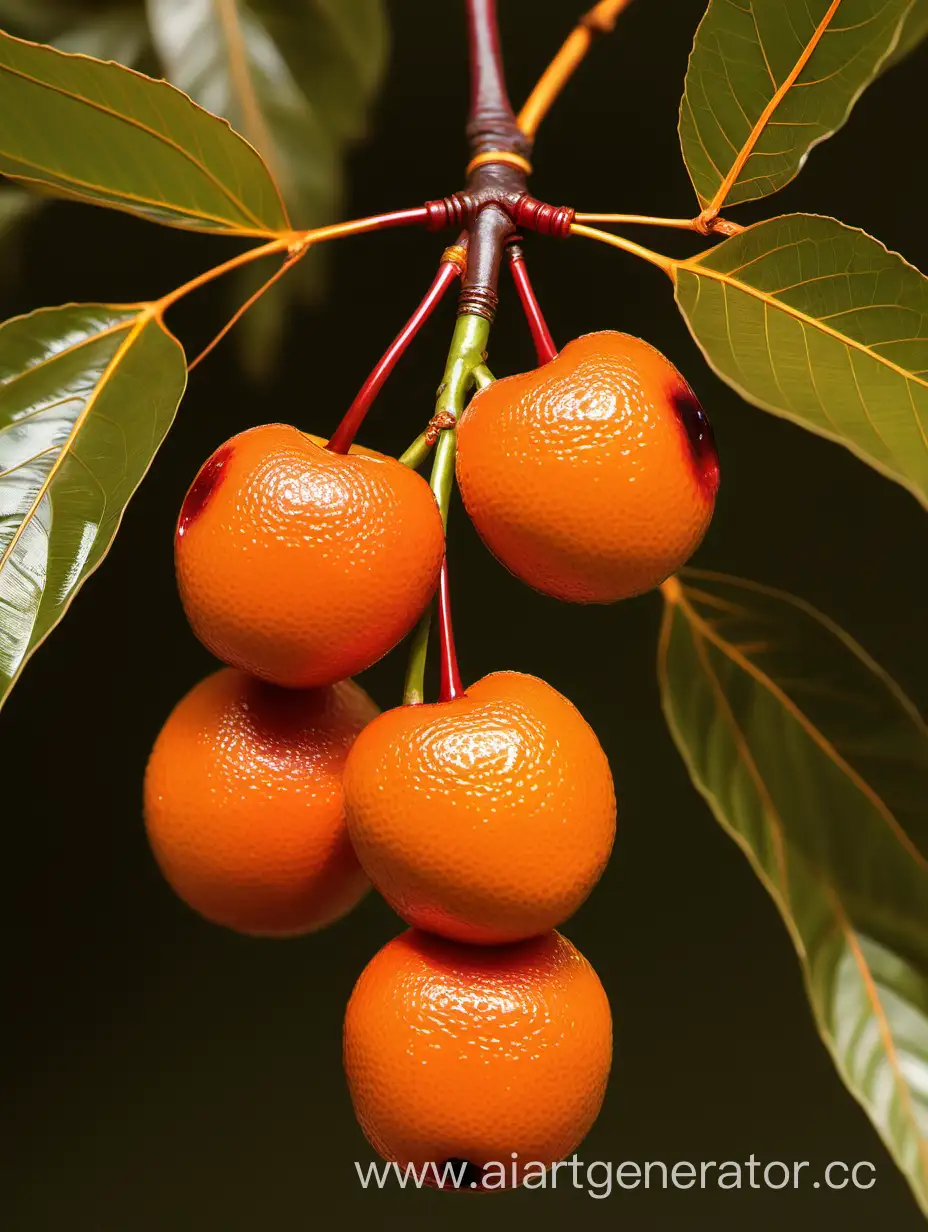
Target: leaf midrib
[743,155]
[694,266]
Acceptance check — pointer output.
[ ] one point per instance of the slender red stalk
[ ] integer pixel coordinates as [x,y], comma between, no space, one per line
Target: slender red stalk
[450,686]
[346,431]
[398,218]
[541,335]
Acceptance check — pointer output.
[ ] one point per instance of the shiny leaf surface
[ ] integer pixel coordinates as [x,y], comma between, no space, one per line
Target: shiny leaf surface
[103,133]
[819,323]
[817,765]
[769,79]
[87,393]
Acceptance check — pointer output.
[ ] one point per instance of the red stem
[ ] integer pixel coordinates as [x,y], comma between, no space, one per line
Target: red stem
[450,686]
[399,218]
[538,327]
[346,431]
[490,108]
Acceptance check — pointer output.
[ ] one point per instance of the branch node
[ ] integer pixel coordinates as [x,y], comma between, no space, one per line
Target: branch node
[440,422]
[533,215]
[456,254]
[479,301]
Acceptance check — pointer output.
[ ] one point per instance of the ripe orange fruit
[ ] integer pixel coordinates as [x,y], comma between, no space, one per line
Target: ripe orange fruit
[593,477]
[243,802]
[470,1054]
[486,819]
[303,566]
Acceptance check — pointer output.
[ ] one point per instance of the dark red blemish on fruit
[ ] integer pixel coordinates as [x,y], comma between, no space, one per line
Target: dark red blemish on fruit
[466,1174]
[700,437]
[202,488]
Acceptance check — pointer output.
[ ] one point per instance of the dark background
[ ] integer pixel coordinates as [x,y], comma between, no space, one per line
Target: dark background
[163,1073]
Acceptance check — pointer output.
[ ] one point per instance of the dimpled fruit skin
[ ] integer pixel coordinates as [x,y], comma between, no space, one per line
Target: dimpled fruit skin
[243,802]
[455,1052]
[303,566]
[486,819]
[582,477]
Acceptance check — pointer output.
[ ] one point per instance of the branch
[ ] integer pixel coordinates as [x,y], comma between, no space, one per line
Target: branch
[667,264]
[491,128]
[491,122]
[599,20]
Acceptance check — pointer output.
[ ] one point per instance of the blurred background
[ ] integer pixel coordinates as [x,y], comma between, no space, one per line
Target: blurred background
[162,1073]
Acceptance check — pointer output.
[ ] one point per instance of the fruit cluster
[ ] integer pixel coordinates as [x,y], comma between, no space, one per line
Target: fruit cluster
[276,791]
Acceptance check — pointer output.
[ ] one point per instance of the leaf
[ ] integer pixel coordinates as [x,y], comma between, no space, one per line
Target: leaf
[815,763]
[87,394]
[105,134]
[914,31]
[297,80]
[819,323]
[769,79]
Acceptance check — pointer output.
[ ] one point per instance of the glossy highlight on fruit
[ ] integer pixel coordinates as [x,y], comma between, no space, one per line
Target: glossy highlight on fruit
[243,802]
[470,1054]
[485,819]
[303,566]
[593,477]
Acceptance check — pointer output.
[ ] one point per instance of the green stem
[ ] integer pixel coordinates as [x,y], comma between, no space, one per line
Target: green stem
[417,452]
[465,358]
[483,377]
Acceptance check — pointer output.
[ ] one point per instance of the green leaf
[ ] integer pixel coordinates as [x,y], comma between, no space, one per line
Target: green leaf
[815,763]
[87,394]
[819,323]
[102,133]
[297,80]
[769,79]
[914,31]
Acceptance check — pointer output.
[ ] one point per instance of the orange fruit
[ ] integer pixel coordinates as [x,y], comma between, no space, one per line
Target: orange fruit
[486,819]
[303,566]
[466,1054]
[243,802]
[593,477]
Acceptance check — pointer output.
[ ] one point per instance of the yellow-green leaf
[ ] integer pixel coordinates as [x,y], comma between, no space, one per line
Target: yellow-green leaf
[102,133]
[769,79]
[819,323]
[815,762]
[87,394]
